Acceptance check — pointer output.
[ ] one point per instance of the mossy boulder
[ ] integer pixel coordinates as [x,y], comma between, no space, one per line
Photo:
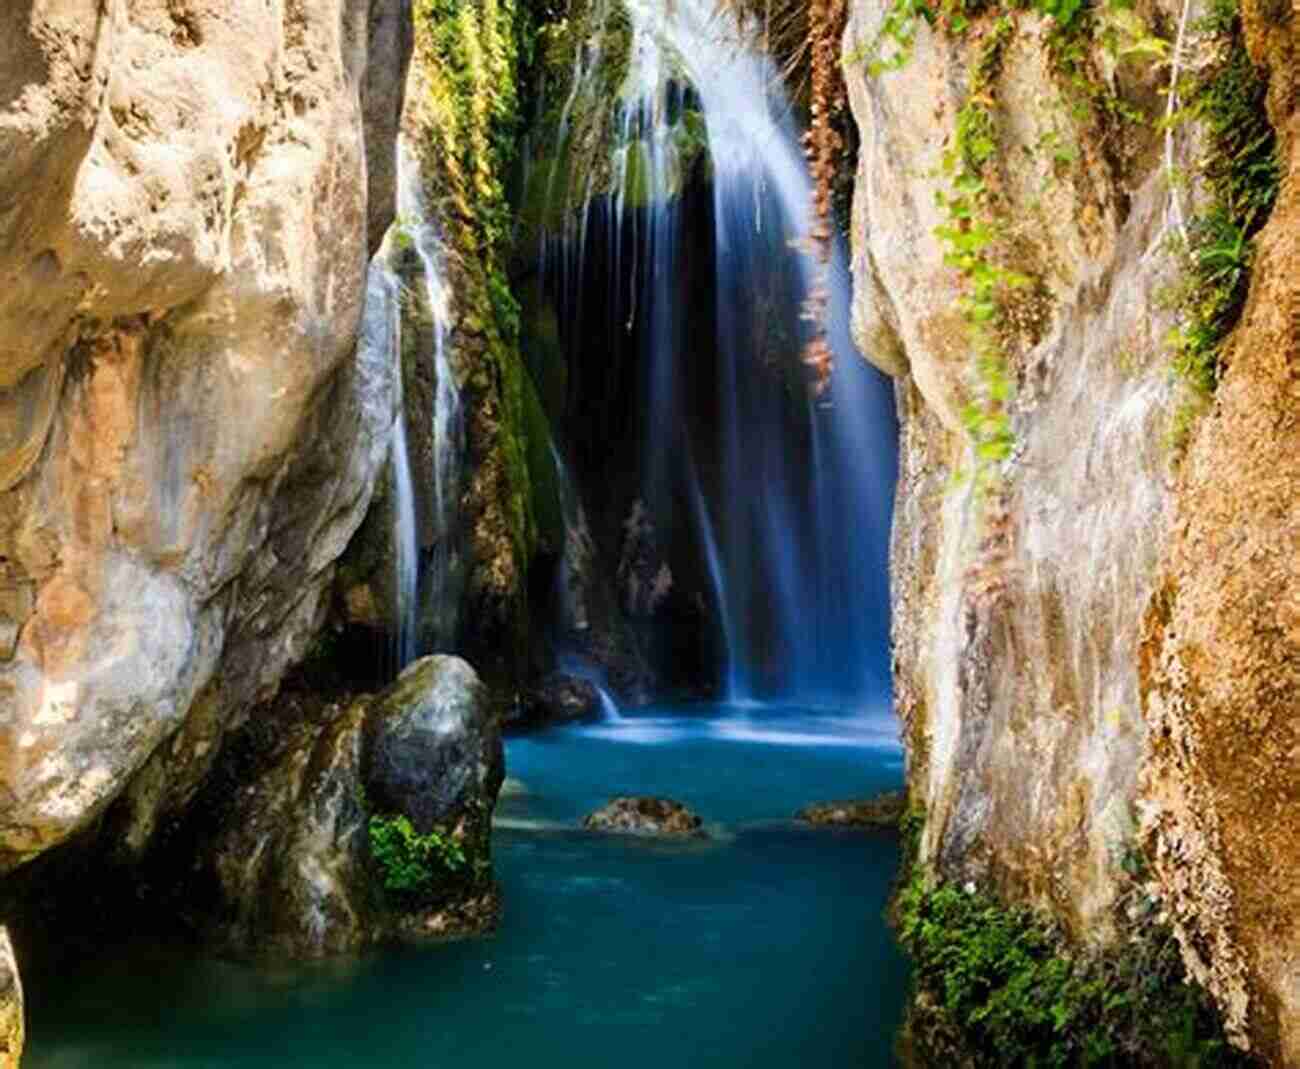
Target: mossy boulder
[364,821]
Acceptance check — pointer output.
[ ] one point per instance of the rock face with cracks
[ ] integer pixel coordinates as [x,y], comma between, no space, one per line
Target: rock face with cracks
[1097,660]
[11,1006]
[188,194]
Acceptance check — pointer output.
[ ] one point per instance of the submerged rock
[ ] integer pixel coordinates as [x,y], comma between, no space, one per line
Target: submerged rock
[11,1006]
[645,816]
[883,811]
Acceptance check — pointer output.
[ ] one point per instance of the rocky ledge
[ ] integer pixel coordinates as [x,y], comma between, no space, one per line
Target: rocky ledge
[372,823]
[645,816]
[882,811]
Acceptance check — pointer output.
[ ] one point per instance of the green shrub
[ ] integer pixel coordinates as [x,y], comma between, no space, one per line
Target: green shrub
[409,861]
[1003,978]
[1242,172]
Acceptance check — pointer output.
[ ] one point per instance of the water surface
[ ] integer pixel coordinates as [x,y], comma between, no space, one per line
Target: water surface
[763,949]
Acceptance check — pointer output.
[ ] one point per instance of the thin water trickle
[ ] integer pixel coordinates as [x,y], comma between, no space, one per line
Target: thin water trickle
[406,557]
[442,583]
[381,332]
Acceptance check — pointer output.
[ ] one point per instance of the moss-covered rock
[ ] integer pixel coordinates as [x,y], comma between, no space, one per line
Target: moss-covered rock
[463,120]
[646,816]
[998,985]
[884,811]
[354,822]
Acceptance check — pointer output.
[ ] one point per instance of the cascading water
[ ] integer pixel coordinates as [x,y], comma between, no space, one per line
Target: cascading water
[426,592]
[442,567]
[381,332]
[789,495]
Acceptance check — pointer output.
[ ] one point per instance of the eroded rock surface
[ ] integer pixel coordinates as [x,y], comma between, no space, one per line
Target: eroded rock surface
[11,1006]
[645,816]
[186,442]
[1111,666]
[557,699]
[883,811]
[1026,664]
[1221,652]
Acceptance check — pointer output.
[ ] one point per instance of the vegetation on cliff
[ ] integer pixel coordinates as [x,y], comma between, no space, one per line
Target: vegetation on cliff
[467,122]
[1224,98]
[1000,985]
[1241,174]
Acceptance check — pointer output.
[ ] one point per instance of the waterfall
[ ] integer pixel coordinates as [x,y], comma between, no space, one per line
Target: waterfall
[789,495]
[406,558]
[426,586]
[442,570]
[381,332]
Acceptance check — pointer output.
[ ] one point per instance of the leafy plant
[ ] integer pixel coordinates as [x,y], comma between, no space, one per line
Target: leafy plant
[1004,979]
[968,236]
[409,861]
[1243,173]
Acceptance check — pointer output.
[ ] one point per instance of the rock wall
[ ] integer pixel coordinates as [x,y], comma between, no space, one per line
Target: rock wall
[1095,647]
[11,1007]
[1220,659]
[188,195]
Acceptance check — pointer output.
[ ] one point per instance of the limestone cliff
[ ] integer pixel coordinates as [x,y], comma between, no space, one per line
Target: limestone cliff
[1094,661]
[12,1026]
[188,194]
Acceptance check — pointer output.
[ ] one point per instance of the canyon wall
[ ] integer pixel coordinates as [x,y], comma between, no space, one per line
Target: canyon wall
[189,194]
[1095,619]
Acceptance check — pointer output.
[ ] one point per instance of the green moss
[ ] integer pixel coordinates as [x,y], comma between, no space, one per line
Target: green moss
[969,236]
[1002,981]
[1242,172]
[472,56]
[409,863]
[543,350]
[547,503]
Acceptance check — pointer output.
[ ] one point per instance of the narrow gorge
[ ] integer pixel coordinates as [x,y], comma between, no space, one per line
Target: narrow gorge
[735,532]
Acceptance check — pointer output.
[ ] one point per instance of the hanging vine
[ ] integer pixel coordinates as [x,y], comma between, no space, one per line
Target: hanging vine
[823,145]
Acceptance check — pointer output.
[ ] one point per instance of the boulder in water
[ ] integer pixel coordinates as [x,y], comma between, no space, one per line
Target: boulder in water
[645,816]
[559,698]
[433,747]
[882,811]
[11,1006]
[365,822]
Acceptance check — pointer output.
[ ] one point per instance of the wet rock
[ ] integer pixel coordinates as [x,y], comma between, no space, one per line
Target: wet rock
[11,1006]
[294,863]
[433,746]
[291,863]
[883,811]
[558,699]
[645,816]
